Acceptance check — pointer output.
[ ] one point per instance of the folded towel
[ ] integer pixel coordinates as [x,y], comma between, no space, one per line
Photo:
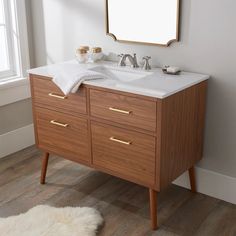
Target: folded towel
[68,77]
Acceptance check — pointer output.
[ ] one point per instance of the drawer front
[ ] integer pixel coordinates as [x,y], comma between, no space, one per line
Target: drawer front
[123,109]
[63,134]
[126,154]
[50,96]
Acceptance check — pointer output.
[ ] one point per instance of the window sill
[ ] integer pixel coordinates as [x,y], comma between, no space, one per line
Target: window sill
[13,82]
[14,90]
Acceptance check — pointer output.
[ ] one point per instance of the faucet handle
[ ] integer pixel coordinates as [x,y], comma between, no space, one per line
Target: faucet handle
[122,59]
[146,65]
[135,62]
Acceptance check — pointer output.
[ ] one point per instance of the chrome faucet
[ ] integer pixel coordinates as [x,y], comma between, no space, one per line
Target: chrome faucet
[132,59]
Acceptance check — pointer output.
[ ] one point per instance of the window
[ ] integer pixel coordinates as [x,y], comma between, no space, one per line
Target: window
[11,63]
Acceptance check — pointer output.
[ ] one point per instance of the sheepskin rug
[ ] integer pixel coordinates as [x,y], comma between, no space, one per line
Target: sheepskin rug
[50,221]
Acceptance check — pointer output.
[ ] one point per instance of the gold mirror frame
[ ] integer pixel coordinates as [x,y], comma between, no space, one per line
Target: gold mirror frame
[137,42]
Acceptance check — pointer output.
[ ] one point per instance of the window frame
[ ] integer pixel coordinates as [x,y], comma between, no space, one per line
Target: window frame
[10,50]
[18,51]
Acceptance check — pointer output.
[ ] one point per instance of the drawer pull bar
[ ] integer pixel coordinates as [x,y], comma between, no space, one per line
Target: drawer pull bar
[120,141]
[120,111]
[58,123]
[57,96]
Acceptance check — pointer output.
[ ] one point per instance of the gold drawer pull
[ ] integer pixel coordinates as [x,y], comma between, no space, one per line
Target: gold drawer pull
[120,141]
[58,123]
[57,96]
[120,111]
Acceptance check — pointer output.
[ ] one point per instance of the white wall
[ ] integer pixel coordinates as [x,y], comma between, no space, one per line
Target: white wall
[15,115]
[208,36]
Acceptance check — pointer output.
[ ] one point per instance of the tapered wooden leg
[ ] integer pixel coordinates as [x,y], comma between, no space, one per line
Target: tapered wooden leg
[192,179]
[153,208]
[44,167]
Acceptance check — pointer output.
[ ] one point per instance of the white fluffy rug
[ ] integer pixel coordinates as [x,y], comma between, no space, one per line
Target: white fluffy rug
[50,221]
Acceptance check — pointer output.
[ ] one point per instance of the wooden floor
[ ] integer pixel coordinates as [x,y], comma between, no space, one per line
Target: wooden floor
[124,205]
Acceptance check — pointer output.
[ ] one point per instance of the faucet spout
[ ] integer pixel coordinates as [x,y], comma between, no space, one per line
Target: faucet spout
[132,59]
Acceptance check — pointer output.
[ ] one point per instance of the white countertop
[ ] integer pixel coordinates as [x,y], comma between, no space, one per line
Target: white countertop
[155,84]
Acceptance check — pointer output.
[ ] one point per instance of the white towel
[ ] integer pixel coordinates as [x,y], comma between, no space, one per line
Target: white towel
[68,77]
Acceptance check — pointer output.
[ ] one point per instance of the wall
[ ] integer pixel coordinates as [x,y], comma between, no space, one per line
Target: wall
[207,46]
[30,33]
[16,129]
[15,116]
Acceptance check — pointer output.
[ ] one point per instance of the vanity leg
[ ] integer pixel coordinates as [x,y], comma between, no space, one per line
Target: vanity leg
[153,208]
[44,167]
[192,179]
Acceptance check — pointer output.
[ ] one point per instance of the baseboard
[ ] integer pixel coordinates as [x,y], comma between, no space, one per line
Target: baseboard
[16,140]
[212,184]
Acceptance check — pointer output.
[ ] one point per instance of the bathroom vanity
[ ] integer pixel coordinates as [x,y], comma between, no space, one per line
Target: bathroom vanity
[147,129]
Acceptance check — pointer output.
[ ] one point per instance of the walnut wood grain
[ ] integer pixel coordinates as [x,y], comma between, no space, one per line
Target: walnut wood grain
[32,88]
[70,142]
[153,208]
[44,167]
[118,125]
[192,179]
[144,140]
[133,95]
[134,161]
[182,127]
[72,104]
[142,112]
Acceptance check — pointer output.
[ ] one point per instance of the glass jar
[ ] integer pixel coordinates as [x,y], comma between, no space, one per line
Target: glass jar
[82,55]
[96,54]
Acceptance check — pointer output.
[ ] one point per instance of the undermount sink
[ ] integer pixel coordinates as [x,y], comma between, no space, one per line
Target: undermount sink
[122,74]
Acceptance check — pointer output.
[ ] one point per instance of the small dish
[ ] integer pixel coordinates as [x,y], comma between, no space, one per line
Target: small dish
[170,73]
[174,71]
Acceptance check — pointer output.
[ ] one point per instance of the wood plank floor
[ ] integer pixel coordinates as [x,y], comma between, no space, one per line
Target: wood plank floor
[124,205]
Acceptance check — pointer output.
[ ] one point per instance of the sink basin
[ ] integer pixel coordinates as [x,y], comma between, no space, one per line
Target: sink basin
[121,74]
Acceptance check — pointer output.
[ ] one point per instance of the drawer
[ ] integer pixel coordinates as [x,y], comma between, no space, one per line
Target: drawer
[63,134]
[122,109]
[46,93]
[126,154]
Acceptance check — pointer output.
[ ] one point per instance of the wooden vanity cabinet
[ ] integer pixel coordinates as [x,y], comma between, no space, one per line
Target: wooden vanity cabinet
[123,109]
[63,134]
[145,140]
[46,94]
[124,153]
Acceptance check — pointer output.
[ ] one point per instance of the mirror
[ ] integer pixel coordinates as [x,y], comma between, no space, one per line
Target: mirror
[143,21]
